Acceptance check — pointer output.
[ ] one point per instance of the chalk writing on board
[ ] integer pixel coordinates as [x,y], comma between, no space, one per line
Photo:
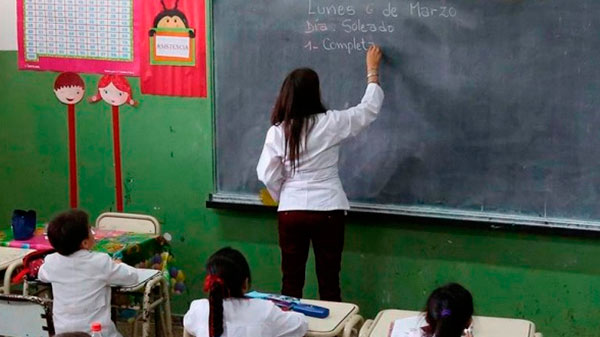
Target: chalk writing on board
[363,22]
[348,46]
[351,25]
[315,26]
[349,10]
[310,46]
[416,9]
[339,10]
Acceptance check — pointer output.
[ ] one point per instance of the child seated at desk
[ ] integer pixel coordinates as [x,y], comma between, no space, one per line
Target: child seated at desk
[227,313]
[448,313]
[81,279]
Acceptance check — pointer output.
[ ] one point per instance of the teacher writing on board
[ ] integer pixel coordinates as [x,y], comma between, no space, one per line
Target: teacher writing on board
[299,166]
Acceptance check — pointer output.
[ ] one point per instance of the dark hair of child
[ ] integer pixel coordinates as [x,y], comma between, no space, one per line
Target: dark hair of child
[449,311]
[67,230]
[226,272]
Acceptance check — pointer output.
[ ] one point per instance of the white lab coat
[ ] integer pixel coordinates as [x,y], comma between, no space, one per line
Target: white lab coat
[315,185]
[246,318]
[81,288]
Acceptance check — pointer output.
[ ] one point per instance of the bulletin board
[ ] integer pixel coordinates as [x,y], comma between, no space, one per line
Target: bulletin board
[94,36]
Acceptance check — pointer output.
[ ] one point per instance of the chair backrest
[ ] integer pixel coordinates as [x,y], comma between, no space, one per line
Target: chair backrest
[128,222]
[25,316]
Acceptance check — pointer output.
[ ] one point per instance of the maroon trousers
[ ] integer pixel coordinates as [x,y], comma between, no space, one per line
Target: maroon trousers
[325,229]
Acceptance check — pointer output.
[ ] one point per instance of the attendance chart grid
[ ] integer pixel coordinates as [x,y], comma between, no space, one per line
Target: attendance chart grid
[85,29]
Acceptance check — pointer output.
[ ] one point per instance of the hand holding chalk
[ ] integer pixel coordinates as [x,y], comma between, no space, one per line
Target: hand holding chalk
[373,60]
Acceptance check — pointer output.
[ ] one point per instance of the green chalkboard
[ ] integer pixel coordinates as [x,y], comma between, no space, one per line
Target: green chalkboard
[491,109]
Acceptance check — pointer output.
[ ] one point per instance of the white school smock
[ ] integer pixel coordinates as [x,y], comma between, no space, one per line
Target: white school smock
[316,184]
[410,327]
[81,287]
[246,318]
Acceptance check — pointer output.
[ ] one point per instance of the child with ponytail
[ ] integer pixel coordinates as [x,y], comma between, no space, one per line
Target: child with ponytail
[226,313]
[448,313]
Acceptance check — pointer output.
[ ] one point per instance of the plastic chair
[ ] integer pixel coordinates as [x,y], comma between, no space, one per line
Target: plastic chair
[25,316]
[128,222]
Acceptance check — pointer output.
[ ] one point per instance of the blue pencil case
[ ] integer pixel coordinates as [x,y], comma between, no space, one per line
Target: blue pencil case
[291,303]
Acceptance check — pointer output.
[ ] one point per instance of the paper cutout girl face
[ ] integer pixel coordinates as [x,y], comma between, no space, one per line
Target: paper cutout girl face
[114,90]
[69,88]
[113,96]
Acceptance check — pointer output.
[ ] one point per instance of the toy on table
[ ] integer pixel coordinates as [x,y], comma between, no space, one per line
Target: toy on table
[291,303]
[164,263]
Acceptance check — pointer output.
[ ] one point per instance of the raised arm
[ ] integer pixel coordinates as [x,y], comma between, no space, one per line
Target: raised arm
[349,122]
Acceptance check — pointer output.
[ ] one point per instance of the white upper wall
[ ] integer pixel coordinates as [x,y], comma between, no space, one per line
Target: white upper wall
[8,24]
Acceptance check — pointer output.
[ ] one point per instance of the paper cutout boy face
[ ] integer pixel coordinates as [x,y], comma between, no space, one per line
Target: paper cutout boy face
[69,95]
[69,88]
[113,96]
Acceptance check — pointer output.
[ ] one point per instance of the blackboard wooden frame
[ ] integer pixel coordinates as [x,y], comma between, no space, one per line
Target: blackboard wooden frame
[249,202]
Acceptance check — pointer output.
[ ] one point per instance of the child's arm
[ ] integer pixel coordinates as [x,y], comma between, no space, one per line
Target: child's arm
[286,324]
[119,274]
[42,274]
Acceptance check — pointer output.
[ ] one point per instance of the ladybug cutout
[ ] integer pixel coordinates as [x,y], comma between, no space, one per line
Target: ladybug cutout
[171,18]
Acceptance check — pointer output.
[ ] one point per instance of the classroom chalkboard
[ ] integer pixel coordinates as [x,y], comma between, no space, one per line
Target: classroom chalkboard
[491,110]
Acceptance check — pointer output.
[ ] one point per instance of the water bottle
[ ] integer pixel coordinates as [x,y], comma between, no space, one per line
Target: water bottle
[96,330]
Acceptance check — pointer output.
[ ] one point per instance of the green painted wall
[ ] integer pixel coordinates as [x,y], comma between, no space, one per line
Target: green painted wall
[168,173]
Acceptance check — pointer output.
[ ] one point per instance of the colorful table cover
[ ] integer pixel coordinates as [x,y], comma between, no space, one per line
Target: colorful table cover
[139,250]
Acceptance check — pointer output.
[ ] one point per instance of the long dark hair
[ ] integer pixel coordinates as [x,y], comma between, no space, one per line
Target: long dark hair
[226,272]
[449,311]
[298,102]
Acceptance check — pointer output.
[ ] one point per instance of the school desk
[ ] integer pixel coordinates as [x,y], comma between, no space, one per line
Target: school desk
[482,326]
[131,248]
[150,280]
[342,319]
[10,258]
[139,250]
